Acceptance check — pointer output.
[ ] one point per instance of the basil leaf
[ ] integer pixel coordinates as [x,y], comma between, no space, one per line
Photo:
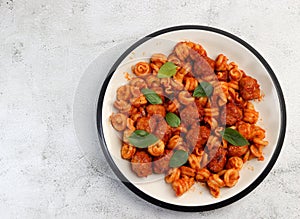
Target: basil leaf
[204,89]
[179,158]
[167,70]
[234,137]
[173,120]
[151,96]
[142,139]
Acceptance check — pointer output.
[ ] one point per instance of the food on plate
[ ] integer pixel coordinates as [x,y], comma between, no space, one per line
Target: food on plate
[190,117]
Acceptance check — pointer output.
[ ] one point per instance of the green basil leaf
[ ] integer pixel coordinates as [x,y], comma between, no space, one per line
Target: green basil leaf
[179,158]
[151,96]
[141,132]
[234,137]
[204,89]
[167,70]
[142,139]
[172,119]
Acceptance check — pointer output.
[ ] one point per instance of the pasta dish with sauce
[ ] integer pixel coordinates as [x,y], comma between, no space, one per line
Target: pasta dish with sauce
[190,117]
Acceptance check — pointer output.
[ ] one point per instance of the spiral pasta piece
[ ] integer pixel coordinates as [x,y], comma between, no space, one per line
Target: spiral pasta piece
[202,175]
[178,130]
[194,161]
[201,102]
[213,142]
[185,98]
[172,175]
[190,83]
[234,163]
[130,124]
[141,69]
[122,106]
[127,151]
[250,115]
[157,149]
[211,112]
[187,171]
[173,105]
[138,82]
[158,58]
[135,91]
[138,101]
[231,177]
[118,121]
[182,51]
[126,134]
[182,185]
[123,92]
[222,76]
[152,81]
[235,74]
[215,183]
[174,59]
[221,63]
[256,151]
[174,141]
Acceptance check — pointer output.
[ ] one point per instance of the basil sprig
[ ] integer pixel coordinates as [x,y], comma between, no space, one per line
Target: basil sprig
[234,137]
[151,96]
[142,139]
[179,158]
[172,119]
[167,70]
[204,89]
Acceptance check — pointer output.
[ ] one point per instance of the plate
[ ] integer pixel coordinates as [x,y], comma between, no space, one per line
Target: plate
[271,108]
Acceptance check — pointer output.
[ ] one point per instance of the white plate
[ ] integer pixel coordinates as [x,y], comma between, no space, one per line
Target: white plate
[272,116]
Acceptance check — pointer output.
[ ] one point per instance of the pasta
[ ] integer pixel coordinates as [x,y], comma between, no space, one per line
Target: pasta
[185,114]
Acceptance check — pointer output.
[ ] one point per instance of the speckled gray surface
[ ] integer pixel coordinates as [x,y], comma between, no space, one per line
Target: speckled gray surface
[45,46]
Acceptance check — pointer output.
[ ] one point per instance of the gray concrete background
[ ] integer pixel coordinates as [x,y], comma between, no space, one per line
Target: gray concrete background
[46,45]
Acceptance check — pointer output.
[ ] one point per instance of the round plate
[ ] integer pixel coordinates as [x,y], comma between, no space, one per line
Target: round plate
[272,117]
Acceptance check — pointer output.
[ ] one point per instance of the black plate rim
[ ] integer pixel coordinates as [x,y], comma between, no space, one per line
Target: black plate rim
[220,204]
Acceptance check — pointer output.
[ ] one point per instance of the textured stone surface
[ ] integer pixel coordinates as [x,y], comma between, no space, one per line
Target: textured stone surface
[45,46]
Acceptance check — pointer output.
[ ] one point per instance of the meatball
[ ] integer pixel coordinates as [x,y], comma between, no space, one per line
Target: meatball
[141,164]
[245,129]
[233,114]
[197,136]
[145,123]
[192,137]
[237,151]
[204,134]
[218,162]
[249,88]
[189,114]
[156,109]
[163,131]
[161,163]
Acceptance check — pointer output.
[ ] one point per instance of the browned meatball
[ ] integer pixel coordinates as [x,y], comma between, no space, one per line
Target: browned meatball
[245,129]
[163,131]
[141,164]
[161,163]
[204,134]
[233,114]
[192,137]
[237,151]
[249,88]
[197,136]
[189,114]
[145,123]
[156,109]
[218,162]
